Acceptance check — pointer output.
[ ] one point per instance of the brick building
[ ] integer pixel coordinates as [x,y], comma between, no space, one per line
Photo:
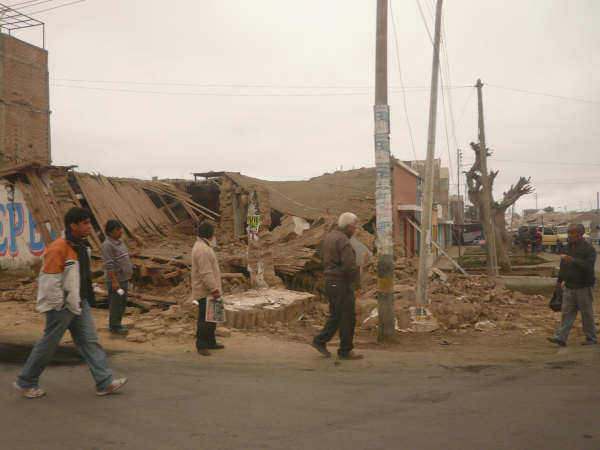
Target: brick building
[24,102]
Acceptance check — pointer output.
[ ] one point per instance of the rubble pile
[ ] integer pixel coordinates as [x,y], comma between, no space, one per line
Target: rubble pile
[459,303]
[18,289]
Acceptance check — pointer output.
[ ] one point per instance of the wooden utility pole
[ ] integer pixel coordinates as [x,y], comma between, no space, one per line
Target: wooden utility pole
[488,221]
[383,185]
[425,243]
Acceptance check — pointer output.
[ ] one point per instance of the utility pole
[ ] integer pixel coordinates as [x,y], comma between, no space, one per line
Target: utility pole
[383,185]
[425,244]
[459,226]
[536,204]
[597,201]
[488,222]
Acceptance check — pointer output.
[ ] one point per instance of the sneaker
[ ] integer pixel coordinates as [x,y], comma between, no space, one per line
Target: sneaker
[321,348]
[116,384]
[589,342]
[203,352]
[34,392]
[557,341]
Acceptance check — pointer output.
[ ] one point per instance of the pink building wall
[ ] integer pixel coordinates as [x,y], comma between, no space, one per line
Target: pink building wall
[404,192]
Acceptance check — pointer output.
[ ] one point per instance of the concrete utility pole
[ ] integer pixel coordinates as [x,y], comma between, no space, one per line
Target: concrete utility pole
[459,227]
[383,185]
[488,220]
[425,243]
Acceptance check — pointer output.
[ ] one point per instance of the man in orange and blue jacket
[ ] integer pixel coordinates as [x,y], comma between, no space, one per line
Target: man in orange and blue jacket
[65,295]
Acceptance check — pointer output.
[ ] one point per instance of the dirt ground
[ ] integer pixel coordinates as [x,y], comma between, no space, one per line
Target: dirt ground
[486,378]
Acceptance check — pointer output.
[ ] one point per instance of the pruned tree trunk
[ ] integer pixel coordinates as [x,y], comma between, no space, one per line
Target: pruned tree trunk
[498,210]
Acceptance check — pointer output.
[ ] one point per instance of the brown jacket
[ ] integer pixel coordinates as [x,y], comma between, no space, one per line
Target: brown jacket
[339,258]
[206,275]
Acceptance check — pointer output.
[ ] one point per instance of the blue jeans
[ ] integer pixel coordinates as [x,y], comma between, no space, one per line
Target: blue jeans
[84,336]
[116,305]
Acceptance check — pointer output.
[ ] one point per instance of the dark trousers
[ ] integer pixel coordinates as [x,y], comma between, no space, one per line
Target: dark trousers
[342,317]
[116,305]
[205,334]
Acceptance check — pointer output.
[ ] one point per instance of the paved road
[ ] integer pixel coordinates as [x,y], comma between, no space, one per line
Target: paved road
[288,398]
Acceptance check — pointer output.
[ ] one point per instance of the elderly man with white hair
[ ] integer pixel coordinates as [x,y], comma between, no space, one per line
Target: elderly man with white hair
[577,273]
[341,271]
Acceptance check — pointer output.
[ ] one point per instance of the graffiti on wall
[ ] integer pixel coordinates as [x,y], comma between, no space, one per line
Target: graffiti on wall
[15,220]
[21,242]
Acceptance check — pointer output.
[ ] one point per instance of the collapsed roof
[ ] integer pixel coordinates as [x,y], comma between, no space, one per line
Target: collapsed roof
[328,194]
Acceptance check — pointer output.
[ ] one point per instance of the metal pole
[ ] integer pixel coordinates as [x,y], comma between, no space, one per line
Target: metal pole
[383,187]
[425,244]
[488,220]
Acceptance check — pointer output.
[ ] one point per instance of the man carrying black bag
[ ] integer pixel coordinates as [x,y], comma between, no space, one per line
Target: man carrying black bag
[577,272]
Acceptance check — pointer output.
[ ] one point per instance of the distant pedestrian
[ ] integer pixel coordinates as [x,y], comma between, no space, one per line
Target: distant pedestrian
[524,241]
[65,294]
[118,272]
[206,281]
[577,273]
[341,271]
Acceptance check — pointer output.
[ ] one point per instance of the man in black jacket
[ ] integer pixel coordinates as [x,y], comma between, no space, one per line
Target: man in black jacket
[341,271]
[577,272]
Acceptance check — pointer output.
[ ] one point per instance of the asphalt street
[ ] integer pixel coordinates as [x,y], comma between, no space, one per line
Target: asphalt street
[292,399]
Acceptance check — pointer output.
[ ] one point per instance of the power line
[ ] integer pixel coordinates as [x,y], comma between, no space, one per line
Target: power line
[424,21]
[56,7]
[464,107]
[410,133]
[30,3]
[229,94]
[246,85]
[545,94]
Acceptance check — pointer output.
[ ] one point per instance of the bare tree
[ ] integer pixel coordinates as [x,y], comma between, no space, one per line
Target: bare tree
[498,210]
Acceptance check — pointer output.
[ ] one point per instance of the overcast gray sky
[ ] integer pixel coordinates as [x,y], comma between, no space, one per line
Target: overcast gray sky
[283,90]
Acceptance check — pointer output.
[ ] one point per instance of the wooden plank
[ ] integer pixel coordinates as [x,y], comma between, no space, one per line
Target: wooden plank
[168,209]
[174,274]
[38,195]
[153,298]
[35,212]
[454,263]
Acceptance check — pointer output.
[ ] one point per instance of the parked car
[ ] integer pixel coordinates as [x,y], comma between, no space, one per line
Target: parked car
[562,236]
[550,240]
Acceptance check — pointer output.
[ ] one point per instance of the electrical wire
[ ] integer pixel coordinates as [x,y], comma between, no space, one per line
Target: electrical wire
[464,107]
[228,94]
[55,7]
[424,21]
[25,3]
[545,94]
[30,4]
[245,85]
[410,133]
